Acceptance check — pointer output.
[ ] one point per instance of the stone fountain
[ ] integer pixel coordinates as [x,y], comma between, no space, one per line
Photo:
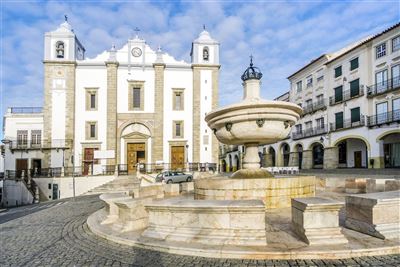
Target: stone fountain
[252,122]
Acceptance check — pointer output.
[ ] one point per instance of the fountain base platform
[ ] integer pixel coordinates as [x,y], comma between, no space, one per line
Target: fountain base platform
[275,192]
[251,174]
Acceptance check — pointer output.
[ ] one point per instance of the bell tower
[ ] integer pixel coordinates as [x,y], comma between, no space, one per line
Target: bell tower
[205,65]
[61,51]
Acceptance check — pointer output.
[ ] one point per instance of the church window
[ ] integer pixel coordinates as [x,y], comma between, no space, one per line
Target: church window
[60,49]
[136,96]
[91,130]
[178,99]
[178,129]
[91,99]
[206,54]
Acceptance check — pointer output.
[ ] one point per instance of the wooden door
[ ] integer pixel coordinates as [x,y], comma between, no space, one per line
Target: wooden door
[88,160]
[357,159]
[136,153]
[21,165]
[177,157]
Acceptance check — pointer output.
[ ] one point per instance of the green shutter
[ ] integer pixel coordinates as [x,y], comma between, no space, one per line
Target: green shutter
[338,71]
[355,88]
[338,94]
[354,64]
[355,115]
[339,120]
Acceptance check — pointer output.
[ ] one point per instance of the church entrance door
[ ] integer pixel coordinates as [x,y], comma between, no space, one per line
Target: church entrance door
[177,157]
[136,154]
[88,161]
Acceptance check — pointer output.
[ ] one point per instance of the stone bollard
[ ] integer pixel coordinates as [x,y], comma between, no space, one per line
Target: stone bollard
[36,199]
[62,171]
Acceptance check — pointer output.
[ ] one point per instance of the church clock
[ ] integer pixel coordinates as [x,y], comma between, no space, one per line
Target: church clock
[136,52]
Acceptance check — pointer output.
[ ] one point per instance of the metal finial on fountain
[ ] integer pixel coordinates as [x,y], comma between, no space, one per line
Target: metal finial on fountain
[251,72]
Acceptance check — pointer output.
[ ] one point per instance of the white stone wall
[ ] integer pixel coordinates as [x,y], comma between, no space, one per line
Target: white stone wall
[90,77]
[205,107]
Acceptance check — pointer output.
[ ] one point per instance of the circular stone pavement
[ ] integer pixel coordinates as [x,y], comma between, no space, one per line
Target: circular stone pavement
[56,234]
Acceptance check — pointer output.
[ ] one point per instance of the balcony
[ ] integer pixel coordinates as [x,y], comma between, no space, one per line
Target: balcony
[347,124]
[383,87]
[384,118]
[38,144]
[310,132]
[346,95]
[313,107]
[25,110]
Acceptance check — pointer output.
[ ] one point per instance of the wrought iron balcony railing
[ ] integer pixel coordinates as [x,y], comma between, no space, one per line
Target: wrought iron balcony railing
[384,118]
[314,107]
[346,95]
[310,132]
[346,124]
[383,87]
[23,144]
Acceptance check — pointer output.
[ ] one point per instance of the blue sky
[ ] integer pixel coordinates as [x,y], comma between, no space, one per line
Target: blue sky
[282,36]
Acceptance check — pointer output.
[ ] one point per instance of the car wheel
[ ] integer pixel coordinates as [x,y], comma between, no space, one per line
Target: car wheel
[169,182]
[189,179]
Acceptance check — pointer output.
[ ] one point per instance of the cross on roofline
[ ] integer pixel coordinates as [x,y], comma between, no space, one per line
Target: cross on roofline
[137,30]
[66,17]
[251,60]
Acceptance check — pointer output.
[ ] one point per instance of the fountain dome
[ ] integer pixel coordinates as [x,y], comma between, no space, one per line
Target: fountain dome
[251,72]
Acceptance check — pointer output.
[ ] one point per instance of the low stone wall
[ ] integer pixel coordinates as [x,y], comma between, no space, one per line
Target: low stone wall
[357,185]
[207,222]
[274,192]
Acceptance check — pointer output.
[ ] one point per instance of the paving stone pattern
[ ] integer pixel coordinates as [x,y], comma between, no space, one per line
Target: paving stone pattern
[58,236]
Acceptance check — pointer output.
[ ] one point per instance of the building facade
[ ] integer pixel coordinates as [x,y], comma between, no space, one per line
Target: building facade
[124,106]
[351,103]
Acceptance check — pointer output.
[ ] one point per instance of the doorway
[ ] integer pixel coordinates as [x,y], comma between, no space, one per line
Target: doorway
[357,159]
[88,160]
[36,167]
[21,165]
[177,157]
[136,154]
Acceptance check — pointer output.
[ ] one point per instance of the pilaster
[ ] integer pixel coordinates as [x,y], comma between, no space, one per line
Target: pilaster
[214,105]
[331,157]
[307,161]
[112,71]
[157,145]
[294,159]
[196,115]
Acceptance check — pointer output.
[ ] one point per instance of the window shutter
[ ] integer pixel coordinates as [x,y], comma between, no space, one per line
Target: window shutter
[339,120]
[354,64]
[355,88]
[338,93]
[355,115]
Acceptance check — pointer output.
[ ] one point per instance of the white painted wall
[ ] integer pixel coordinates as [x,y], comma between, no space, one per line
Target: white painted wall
[178,79]
[205,107]
[90,77]
[65,185]
[15,193]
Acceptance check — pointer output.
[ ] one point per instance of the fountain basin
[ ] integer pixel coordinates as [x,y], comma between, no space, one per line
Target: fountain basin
[253,121]
[274,192]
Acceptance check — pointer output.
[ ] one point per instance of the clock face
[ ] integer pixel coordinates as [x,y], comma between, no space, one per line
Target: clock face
[136,52]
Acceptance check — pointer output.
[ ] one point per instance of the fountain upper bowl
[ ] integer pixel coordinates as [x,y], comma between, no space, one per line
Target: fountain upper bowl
[253,121]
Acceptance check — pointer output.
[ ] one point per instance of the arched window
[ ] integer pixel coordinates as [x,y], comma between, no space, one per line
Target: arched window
[206,53]
[60,49]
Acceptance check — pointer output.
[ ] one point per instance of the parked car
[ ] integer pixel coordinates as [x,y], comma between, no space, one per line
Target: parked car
[173,177]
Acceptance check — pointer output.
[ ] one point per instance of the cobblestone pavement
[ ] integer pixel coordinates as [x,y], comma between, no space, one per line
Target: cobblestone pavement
[58,236]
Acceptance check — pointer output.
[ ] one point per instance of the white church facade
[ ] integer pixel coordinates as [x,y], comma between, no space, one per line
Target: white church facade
[125,106]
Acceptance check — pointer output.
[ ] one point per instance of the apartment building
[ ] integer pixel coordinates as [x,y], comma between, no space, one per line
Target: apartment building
[351,103]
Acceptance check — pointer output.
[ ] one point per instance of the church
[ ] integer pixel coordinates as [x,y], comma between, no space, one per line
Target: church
[125,106]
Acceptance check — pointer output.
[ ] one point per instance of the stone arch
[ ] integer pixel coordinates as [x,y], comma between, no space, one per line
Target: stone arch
[284,154]
[296,145]
[132,131]
[230,163]
[223,165]
[130,122]
[317,149]
[381,136]
[390,149]
[310,147]
[297,155]
[353,137]
[270,157]
[352,154]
